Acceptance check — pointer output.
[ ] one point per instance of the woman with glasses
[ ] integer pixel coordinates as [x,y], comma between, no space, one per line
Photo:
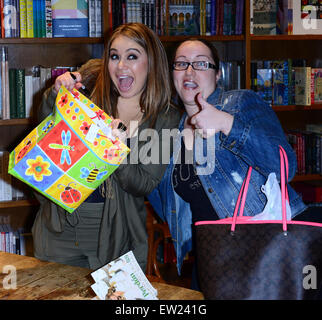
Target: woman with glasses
[221,135]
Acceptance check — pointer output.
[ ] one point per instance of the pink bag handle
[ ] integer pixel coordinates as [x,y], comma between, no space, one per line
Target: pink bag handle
[244,188]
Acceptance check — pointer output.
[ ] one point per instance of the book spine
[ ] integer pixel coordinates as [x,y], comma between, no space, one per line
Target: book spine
[98,18]
[42,18]
[49,20]
[308,85]
[91,19]
[23,19]
[28,95]
[13,93]
[21,103]
[312,86]
[30,19]
[8,18]
[35,10]
[5,84]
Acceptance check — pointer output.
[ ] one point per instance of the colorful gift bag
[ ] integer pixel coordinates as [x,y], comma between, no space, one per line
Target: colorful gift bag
[69,154]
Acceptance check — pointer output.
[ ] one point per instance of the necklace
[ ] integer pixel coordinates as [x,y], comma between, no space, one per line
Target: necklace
[131,124]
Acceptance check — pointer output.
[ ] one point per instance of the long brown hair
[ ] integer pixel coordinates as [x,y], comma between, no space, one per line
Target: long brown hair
[157,92]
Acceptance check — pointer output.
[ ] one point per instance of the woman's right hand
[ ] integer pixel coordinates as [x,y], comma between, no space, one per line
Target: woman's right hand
[67,80]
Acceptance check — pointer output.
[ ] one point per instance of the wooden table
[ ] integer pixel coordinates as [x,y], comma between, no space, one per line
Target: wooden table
[42,280]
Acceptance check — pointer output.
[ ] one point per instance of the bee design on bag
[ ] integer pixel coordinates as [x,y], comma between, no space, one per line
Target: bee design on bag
[93,174]
[48,126]
[69,195]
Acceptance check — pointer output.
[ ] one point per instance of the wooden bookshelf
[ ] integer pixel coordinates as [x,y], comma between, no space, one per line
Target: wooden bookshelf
[19,203]
[297,108]
[21,41]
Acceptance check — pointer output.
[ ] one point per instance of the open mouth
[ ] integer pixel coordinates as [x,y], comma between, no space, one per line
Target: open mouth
[190,84]
[125,82]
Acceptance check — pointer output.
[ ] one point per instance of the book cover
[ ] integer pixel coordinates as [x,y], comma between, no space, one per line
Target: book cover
[122,279]
[316,85]
[302,85]
[184,19]
[70,18]
[307,17]
[264,84]
[263,17]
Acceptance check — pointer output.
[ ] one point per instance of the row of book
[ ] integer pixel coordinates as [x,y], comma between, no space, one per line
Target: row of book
[287,82]
[181,17]
[47,19]
[307,145]
[271,17]
[21,89]
[10,187]
[12,241]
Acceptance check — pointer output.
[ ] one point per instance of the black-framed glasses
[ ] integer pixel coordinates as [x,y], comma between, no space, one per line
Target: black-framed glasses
[196,65]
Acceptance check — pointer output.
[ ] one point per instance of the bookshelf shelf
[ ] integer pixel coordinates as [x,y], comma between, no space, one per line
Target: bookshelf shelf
[298,37]
[297,108]
[18,203]
[307,177]
[209,38]
[4,41]
[15,122]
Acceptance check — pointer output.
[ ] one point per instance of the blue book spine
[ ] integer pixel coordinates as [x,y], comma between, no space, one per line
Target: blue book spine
[213,17]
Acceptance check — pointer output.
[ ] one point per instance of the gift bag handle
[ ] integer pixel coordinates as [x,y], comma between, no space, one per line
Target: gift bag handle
[240,204]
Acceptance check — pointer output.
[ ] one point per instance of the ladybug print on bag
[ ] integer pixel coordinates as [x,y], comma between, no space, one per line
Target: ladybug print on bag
[69,195]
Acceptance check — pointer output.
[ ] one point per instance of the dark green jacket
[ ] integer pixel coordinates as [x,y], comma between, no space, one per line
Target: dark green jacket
[123,225]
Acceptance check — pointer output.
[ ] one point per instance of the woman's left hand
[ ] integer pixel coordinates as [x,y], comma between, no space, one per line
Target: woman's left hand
[210,120]
[118,133]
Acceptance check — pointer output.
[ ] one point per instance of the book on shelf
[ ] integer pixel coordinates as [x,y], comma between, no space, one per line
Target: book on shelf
[307,147]
[122,279]
[11,241]
[10,22]
[316,85]
[264,84]
[5,95]
[5,179]
[70,18]
[280,82]
[302,85]
[30,18]
[307,17]
[263,17]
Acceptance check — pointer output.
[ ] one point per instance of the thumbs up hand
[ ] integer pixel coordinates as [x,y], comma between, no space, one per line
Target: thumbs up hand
[210,120]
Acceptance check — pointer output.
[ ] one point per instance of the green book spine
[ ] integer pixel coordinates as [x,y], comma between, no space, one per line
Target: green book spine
[12,94]
[20,87]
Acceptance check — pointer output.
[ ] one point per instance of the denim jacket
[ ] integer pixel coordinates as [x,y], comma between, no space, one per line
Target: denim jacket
[253,141]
